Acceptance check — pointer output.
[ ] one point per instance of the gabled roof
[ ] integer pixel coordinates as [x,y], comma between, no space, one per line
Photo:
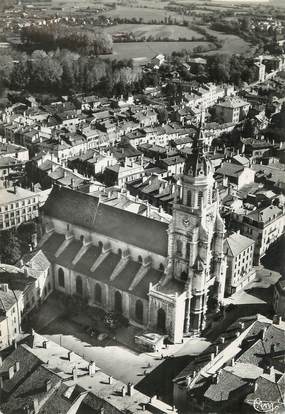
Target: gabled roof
[85,211]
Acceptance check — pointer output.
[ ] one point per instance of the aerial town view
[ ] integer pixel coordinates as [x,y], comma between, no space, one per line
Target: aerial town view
[142,206]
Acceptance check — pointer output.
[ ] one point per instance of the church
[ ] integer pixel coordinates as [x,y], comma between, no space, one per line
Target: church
[159,276]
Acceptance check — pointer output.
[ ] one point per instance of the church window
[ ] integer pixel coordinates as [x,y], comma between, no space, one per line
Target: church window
[179,247]
[98,293]
[187,251]
[183,276]
[100,245]
[161,319]
[120,252]
[200,196]
[139,310]
[81,238]
[140,259]
[79,286]
[118,302]
[61,277]
[189,198]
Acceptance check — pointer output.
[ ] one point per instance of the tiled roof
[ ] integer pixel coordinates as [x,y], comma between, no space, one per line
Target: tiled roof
[236,243]
[227,384]
[83,210]
[266,214]
[266,391]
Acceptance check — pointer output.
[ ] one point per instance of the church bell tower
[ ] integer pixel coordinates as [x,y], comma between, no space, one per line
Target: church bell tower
[196,234]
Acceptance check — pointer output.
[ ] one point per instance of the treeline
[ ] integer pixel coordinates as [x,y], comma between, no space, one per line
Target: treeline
[235,69]
[61,36]
[66,72]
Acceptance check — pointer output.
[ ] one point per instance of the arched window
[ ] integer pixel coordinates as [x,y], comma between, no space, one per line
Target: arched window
[161,318]
[82,238]
[161,267]
[79,286]
[189,198]
[100,245]
[179,247]
[61,282]
[183,276]
[140,259]
[139,310]
[118,302]
[98,293]
[120,252]
[200,197]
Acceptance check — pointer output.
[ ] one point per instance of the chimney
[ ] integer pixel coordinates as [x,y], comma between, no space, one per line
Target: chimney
[124,391]
[92,369]
[110,380]
[212,356]
[277,319]
[1,362]
[45,344]
[255,386]
[222,339]
[11,372]
[263,332]
[36,405]
[237,334]
[74,374]
[72,183]
[241,325]
[17,366]
[47,385]
[216,377]
[130,389]
[69,355]
[216,350]
[232,362]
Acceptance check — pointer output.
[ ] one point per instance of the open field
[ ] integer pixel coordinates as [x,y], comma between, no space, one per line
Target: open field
[140,31]
[147,14]
[150,49]
[232,43]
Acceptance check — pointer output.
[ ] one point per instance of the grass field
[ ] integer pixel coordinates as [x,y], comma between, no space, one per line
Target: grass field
[232,44]
[150,49]
[140,31]
[147,14]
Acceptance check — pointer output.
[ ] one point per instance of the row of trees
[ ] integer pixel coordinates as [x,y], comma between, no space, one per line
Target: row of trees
[55,36]
[67,72]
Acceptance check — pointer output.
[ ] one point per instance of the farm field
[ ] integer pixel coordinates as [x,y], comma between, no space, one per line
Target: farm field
[150,49]
[140,31]
[147,14]
[232,43]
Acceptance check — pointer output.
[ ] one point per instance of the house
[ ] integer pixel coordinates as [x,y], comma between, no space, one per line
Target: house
[265,226]
[243,367]
[231,110]
[68,384]
[173,165]
[237,175]
[17,205]
[22,289]
[239,250]
[121,174]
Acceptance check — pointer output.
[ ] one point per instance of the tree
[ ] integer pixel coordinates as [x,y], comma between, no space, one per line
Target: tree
[10,248]
[162,115]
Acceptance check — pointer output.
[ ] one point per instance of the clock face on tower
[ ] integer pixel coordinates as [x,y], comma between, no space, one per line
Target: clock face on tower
[187,221]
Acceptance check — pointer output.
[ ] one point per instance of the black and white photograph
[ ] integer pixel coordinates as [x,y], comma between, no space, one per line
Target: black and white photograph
[142,206]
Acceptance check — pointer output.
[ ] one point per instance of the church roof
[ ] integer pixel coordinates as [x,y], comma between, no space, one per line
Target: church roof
[84,210]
